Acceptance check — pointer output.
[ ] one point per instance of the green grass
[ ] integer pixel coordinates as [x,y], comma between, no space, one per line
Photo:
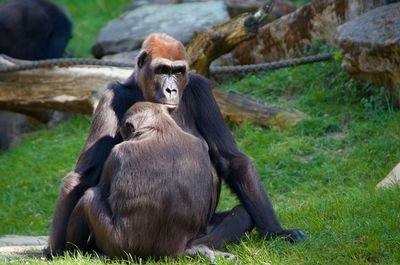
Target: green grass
[89,16]
[30,176]
[321,174]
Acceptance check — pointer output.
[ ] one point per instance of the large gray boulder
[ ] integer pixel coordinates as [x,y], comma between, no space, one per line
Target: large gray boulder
[13,126]
[371,47]
[138,3]
[181,21]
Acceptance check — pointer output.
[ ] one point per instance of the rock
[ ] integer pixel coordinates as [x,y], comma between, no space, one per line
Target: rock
[17,247]
[127,57]
[138,3]
[291,34]
[356,8]
[236,7]
[16,240]
[127,32]
[371,45]
[13,125]
[392,179]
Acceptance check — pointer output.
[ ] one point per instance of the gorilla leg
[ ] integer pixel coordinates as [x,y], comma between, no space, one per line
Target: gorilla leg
[225,227]
[65,205]
[98,216]
[72,189]
[78,231]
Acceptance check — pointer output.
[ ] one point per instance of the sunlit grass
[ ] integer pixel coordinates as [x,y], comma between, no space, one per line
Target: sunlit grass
[321,174]
[89,16]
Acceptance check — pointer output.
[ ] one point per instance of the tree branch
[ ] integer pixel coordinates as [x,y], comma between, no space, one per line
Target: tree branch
[207,46]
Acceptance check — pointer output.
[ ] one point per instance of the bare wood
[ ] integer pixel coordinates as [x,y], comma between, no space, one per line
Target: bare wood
[207,46]
[73,89]
[239,108]
[220,39]
[78,89]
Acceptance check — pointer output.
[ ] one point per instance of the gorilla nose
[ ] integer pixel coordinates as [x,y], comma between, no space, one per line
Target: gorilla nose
[171,93]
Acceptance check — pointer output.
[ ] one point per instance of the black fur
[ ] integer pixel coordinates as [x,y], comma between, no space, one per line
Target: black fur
[197,114]
[33,29]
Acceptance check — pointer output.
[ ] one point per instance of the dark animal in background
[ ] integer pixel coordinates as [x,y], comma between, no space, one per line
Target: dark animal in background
[145,203]
[161,76]
[33,29]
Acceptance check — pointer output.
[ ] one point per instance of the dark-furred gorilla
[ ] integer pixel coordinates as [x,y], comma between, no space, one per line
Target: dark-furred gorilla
[145,204]
[33,29]
[161,76]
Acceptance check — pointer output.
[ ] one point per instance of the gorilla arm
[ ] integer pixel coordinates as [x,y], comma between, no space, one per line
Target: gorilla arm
[231,164]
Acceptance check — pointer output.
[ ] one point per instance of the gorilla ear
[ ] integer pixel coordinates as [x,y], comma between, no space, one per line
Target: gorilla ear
[141,59]
[130,127]
[127,130]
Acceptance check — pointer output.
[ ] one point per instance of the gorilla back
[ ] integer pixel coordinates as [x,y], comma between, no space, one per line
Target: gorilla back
[159,185]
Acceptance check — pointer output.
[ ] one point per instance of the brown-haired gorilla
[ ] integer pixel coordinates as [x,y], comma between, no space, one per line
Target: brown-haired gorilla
[34,29]
[145,204]
[161,76]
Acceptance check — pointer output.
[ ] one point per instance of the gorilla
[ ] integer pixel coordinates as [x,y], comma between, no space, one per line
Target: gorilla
[162,76]
[34,29]
[156,193]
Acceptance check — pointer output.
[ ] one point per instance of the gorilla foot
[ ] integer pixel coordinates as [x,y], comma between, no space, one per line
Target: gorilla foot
[50,254]
[290,235]
[208,253]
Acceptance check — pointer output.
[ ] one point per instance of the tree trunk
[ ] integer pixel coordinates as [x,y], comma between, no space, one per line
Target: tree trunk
[74,89]
[207,46]
[238,108]
[77,89]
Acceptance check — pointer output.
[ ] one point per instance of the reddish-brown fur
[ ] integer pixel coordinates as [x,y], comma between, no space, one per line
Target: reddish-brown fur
[163,46]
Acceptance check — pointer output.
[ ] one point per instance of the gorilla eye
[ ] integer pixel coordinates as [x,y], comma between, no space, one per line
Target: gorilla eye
[163,70]
[179,71]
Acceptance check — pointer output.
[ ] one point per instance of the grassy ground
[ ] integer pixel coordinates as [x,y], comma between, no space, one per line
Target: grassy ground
[88,18]
[321,174]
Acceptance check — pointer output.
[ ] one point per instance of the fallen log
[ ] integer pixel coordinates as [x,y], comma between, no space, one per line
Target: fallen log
[77,89]
[239,108]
